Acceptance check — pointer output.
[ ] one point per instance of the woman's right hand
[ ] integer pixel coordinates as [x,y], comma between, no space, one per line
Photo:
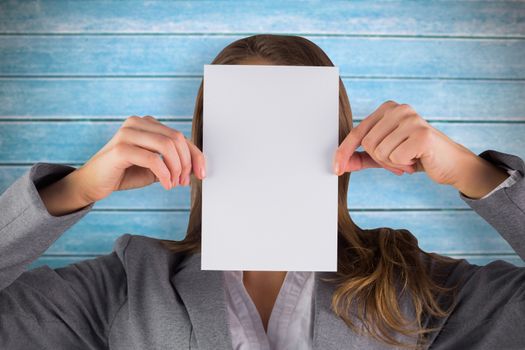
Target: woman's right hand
[131,159]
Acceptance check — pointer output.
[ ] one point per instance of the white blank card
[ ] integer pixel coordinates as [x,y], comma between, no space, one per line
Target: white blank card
[269,199]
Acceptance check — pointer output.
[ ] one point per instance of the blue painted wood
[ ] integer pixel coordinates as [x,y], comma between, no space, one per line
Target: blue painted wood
[443,18]
[161,97]
[186,55]
[459,63]
[451,232]
[76,142]
[369,189]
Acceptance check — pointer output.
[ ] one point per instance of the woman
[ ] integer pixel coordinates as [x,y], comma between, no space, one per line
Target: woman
[151,294]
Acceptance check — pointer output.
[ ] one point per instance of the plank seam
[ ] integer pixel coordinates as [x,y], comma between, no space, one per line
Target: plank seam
[196,76]
[306,34]
[79,119]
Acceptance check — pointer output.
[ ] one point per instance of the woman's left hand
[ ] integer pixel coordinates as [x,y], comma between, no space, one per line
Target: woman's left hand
[396,138]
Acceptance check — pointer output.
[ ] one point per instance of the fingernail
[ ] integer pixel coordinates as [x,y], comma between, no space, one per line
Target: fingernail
[336,168]
[203,173]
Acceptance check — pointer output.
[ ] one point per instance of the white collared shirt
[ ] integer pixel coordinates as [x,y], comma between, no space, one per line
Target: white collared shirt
[290,323]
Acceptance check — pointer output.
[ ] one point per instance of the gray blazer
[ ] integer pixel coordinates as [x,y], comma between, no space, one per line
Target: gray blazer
[141,296]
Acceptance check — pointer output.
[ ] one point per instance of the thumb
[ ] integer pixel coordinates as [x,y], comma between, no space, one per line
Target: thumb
[362,160]
[359,161]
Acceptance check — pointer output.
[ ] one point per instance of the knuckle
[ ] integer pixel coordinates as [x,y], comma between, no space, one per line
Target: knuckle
[394,158]
[389,104]
[405,108]
[389,112]
[380,153]
[177,170]
[132,120]
[178,135]
[185,167]
[366,142]
[154,159]
[123,131]
[412,118]
[166,144]
[185,163]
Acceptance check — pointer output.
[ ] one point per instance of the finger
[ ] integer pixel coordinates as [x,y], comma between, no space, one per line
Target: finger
[412,148]
[362,160]
[349,145]
[153,125]
[385,148]
[198,161]
[356,135]
[382,128]
[152,119]
[128,155]
[157,143]
[185,157]
[359,161]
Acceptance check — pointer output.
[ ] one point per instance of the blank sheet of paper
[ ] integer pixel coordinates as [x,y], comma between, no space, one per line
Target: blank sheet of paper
[269,201]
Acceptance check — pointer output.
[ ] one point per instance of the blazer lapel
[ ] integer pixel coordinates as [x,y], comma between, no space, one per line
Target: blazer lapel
[203,295]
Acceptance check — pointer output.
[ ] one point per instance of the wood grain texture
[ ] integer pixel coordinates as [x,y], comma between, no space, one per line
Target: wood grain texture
[458,232]
[67,142]
[99,98]
[135,55]
[426,18]
[72,71]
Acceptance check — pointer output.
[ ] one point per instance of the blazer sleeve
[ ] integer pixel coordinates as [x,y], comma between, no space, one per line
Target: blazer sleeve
[505,208]
[43,308]
[488,308]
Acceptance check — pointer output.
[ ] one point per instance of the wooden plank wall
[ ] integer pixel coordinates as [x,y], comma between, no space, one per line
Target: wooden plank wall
[71,72]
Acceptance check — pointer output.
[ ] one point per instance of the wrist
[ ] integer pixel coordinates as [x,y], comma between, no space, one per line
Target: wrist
[479,177]
[65,195]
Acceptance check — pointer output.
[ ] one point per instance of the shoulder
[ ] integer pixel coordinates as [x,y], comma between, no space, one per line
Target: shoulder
[133,250]
[489,305]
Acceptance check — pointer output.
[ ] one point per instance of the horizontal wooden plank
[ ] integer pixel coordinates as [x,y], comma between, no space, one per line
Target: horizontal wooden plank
[103,97]
[76,142]
[460,18]
[369,189]
[67,142]
[58,261]
[446,232]
[186,55]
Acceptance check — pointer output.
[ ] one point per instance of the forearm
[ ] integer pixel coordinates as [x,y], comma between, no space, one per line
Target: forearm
[64,196]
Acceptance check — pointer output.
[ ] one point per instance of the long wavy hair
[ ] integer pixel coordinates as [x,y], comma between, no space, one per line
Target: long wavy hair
[372,263]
